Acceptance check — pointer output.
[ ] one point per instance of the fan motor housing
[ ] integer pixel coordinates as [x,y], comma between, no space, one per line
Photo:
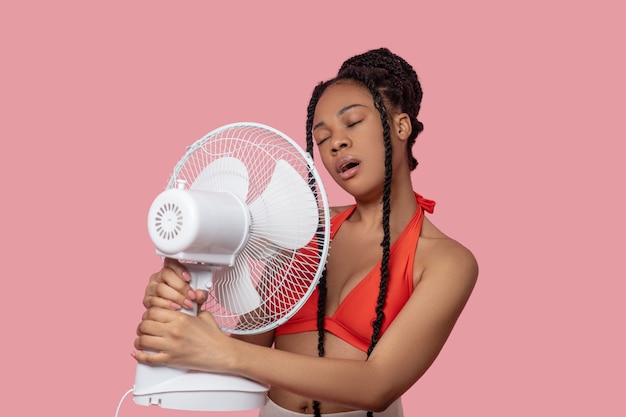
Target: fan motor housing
[199,226]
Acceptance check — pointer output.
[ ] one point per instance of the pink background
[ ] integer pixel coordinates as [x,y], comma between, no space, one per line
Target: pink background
[523,151]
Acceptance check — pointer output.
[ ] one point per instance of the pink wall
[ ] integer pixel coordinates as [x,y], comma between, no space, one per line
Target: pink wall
[523,151]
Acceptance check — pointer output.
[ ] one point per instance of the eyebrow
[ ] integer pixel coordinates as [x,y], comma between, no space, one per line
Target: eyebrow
[339,113]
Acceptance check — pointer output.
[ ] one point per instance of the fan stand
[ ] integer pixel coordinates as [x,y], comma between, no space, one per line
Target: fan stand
[184,389]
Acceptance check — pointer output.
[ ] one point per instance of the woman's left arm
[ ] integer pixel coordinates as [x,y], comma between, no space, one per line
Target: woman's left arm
[408,348]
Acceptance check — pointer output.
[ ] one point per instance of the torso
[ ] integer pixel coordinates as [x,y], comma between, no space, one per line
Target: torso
[343,276]
[348,241]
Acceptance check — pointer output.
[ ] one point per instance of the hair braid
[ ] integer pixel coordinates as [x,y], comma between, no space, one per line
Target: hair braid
[353,74]
[389,79]
[321,286]
[386,242]
[317,92]
[315,96]
[398,81]
[360,77]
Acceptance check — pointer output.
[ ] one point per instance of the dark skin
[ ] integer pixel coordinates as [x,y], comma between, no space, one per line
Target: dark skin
[444,274]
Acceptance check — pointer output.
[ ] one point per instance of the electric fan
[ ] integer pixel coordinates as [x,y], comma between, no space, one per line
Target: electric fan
[246,212]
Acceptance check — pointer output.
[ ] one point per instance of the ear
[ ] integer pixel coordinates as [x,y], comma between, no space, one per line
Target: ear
[402,125]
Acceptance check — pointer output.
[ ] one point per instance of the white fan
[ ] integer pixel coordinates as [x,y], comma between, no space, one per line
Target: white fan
[246,211]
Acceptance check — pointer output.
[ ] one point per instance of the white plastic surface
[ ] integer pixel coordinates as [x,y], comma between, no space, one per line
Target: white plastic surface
[195,391]
[198,226]
[286,213]
[225,173]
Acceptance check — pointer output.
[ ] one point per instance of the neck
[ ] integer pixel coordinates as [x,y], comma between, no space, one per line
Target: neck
[369,212]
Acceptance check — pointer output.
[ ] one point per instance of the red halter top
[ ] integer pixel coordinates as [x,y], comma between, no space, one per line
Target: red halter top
[352,321]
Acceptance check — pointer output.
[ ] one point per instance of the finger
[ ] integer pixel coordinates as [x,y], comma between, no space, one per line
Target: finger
[177,277]
[150,345]
[178,268]
[150,357]
[168,290]
[201,296]
[156,301]
[154,321]
[148,328]
[172,278]
[158,295]
[160,315]
[182,297]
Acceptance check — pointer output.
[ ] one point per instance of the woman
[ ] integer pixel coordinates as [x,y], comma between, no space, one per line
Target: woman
[377,320]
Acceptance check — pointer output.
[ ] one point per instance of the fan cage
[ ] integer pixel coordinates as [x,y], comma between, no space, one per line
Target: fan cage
[283,278]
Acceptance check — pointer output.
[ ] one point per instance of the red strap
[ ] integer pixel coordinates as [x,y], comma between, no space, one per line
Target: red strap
[425,204]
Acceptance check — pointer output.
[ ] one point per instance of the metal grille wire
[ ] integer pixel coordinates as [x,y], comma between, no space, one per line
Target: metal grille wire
[283,278]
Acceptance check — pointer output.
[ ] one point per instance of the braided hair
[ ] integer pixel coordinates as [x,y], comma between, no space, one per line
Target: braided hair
[392,81]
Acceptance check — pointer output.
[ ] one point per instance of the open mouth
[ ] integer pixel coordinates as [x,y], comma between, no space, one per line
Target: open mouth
[348,166]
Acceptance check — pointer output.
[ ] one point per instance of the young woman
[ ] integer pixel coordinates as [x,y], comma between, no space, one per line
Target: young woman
[393,287]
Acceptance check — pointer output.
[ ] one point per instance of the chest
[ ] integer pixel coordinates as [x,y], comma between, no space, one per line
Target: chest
[352,255]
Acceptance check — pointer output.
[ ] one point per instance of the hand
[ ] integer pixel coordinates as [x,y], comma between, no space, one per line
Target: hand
[179,340]
[169,288]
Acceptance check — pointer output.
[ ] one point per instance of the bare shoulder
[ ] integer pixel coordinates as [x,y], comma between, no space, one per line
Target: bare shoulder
[446,260]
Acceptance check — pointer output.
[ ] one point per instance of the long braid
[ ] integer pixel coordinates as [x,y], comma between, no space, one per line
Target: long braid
[356,75]
[398,81]
[387,77]
[321,314]
[386,242]
[321,286]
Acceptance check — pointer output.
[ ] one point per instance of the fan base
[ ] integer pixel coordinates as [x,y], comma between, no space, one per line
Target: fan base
[181,389]
[204,400]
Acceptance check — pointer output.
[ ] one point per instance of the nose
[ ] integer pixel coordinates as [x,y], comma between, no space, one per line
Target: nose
[339,142]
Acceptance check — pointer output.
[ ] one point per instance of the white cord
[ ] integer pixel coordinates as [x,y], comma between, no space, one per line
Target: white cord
[121,401]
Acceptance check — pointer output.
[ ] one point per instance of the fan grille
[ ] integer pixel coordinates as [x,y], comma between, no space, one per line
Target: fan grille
[283,278]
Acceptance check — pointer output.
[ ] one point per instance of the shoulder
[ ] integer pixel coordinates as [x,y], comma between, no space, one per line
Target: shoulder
[449,255]
[445,260]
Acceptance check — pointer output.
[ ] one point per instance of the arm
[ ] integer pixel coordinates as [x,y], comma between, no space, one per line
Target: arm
[264,339]
[406,351]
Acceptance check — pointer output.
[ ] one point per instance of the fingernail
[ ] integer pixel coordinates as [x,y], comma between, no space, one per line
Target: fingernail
[186,276]
[176,306]
[191,294]
[188,303]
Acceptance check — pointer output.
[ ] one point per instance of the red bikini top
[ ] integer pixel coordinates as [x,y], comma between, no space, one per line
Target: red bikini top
[352,321]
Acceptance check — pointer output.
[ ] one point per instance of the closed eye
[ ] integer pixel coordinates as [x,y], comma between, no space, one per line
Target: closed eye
[352,124]
[322,141]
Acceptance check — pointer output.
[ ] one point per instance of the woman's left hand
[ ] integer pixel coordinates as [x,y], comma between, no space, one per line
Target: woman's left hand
[180,340]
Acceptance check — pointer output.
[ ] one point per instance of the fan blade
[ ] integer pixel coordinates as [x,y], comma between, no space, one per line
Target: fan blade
[286,213]
[234,289]
[224,174]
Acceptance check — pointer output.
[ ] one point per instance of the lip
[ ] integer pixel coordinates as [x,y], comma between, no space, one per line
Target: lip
[342,162]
